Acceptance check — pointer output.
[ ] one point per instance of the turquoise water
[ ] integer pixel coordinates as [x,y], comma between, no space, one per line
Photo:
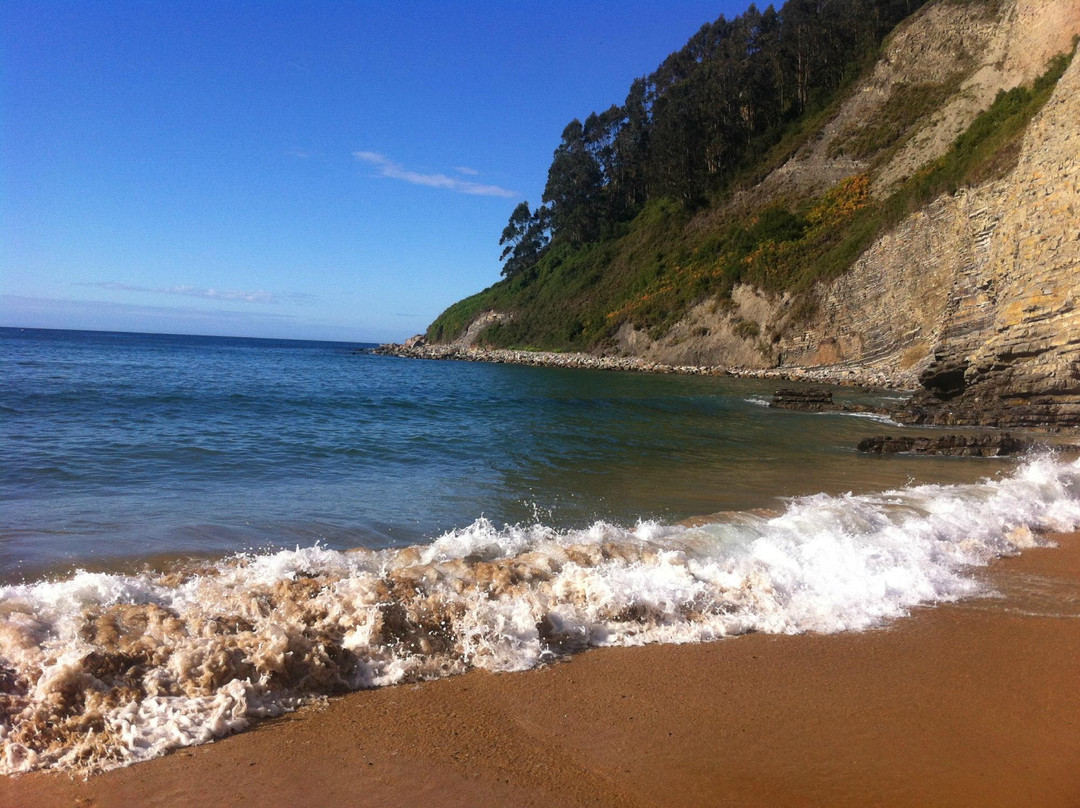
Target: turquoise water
[122,446]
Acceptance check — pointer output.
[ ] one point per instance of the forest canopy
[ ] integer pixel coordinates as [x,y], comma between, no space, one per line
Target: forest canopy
[706,113]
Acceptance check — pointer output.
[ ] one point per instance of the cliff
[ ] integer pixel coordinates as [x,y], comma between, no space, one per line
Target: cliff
[1008,347]
[971,297]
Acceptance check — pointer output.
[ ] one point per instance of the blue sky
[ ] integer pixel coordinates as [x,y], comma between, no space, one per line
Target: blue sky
[330,170]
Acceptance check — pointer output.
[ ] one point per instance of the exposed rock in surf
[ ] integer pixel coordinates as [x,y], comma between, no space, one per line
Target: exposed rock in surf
[997,445]
[803,400]
[820,401]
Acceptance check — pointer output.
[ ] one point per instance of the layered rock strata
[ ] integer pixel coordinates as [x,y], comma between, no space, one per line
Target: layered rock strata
[1009,350]
[971,300]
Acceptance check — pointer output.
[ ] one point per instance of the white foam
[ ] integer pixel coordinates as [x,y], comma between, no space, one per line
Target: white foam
[102,670]
[870,416]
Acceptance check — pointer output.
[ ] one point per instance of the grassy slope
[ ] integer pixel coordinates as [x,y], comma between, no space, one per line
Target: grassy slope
[664,261]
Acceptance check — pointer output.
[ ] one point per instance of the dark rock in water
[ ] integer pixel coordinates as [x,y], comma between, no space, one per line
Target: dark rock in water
[997,445]
[803,400]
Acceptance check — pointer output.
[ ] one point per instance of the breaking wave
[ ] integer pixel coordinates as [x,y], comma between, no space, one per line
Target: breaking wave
[102,670]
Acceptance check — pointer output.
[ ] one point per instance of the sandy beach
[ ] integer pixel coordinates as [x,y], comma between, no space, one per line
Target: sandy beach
[973,703]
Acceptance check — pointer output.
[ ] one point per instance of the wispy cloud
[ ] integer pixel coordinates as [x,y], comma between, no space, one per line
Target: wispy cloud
[388,168]
[471,172]
[232,295]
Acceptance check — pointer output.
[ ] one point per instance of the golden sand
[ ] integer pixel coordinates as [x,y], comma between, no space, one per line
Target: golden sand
[971,704]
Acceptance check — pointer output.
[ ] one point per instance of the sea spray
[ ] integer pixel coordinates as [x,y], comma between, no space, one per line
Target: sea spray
[102,670]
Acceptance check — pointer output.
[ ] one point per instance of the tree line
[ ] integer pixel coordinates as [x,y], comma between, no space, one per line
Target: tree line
[709,110]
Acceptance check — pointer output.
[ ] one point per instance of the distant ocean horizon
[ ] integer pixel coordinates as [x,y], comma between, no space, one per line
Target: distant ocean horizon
[243,524]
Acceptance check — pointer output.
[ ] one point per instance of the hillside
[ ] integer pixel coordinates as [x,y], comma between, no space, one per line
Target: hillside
[918,227]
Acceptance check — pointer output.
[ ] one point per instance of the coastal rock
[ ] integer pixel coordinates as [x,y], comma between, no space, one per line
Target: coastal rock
[847,376]
[996,445]
[803,400]
[478,326]
[555,359]
[935,285]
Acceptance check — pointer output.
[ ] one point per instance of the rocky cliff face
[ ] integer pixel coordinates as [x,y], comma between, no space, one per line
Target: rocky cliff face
[1008,351]
[958,55]
[972,299]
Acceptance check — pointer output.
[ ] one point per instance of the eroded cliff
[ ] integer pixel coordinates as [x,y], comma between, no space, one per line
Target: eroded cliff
[1008,350]
[971,297]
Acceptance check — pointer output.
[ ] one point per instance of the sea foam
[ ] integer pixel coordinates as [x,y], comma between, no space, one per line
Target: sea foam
[102,670]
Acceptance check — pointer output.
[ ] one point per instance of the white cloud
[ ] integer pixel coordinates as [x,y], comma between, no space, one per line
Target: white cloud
[388,168]
[233,295]
[471,172]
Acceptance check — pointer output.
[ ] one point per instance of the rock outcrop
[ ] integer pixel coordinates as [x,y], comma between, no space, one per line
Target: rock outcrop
[996,445]
[989,266]
[814,400]
[478,326]
[973,299]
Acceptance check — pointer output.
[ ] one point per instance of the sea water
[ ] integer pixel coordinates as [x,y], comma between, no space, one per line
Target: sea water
[198,531]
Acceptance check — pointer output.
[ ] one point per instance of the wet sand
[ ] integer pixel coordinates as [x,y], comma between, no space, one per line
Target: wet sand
[972,704]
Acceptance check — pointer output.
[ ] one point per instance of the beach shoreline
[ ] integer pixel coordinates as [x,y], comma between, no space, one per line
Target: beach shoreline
[972,703]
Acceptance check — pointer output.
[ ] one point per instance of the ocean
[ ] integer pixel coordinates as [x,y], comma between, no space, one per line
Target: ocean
[196,532]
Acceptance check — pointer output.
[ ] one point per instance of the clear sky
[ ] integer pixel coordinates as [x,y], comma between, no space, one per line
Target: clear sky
[316,170]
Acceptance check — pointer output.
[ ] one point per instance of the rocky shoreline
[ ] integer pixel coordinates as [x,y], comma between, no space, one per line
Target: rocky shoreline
[802,399]
[844,375]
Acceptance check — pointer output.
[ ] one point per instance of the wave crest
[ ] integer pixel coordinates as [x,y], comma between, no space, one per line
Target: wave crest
[102,670]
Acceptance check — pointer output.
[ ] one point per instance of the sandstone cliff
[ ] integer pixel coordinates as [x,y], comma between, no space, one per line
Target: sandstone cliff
[1008,351]
[972,298]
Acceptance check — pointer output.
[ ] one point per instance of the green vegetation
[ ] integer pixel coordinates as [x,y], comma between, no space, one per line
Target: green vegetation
[987,150]
[573,293]
[747,329]
[907,106]
[577,298]
[710,112]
